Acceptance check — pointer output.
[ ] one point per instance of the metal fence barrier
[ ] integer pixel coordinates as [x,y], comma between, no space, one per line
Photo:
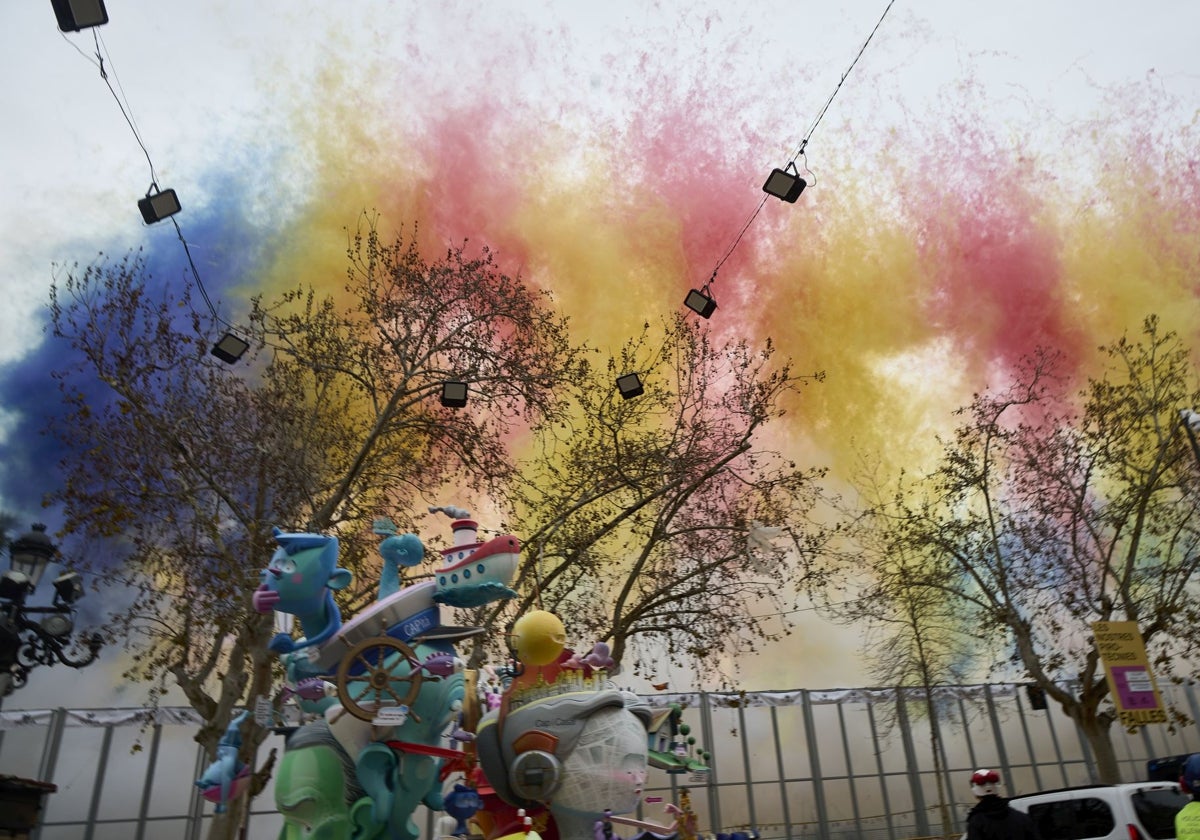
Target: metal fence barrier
[826,765]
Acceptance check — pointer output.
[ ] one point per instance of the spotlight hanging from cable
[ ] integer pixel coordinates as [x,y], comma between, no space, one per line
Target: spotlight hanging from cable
[788,186]
[158,204]
[630,386]
[785,185]
[454,394]
[701,302]
[74,15]
[230,347]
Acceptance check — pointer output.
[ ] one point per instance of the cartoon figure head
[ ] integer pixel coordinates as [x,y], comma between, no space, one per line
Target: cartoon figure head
[985,783]
[462,803]
[317,793]
[402,549]
[582,753]
[301,572]
[607,765]
[300,580]
[397,550]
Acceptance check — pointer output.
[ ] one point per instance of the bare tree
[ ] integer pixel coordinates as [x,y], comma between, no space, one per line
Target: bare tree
[1044,518]
[915,637]
[637,513]
[187,464]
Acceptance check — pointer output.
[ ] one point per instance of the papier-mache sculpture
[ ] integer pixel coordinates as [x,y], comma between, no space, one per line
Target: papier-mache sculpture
[564,737]
[227,776]
[394,685]
[546,748]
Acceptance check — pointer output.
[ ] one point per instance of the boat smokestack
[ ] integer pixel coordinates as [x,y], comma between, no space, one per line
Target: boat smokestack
[465,531]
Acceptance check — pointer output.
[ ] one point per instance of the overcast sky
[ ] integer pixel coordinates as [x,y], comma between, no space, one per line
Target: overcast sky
[205,78]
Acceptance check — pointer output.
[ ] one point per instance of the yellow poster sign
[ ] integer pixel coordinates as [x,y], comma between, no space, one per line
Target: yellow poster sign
[1128,672]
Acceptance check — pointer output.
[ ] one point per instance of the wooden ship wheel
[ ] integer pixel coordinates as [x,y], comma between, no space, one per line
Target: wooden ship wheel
[363,694]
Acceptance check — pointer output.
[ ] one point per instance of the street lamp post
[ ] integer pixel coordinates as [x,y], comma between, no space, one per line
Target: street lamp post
[37,635]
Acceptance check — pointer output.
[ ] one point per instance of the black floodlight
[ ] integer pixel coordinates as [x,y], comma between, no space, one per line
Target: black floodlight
[158,205]
[701,302]
[784,184]
[454,394]
[630,386]
[229,348]
[68,587]
[74,15]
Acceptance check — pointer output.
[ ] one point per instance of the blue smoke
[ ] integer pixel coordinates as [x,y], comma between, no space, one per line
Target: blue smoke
[227,248]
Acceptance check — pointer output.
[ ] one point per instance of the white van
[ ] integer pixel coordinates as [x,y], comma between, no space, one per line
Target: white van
[1135,811]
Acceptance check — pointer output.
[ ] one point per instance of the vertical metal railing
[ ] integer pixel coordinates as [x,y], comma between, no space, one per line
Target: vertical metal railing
[962,712]
[196,802]
[98,784]
[1147,741]
[783,791]
[706,729]
[883,790]
[997,732]
[1191,701]
[746,769]
[54,735]
[1058,753]
[814,761]
[947,783]
[849,770]
[1037,776]
[148,782]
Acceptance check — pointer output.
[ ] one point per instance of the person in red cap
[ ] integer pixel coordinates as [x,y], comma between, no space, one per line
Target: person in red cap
[993,818]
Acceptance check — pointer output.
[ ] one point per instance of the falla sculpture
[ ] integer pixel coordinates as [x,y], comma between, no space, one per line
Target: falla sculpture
[544,748]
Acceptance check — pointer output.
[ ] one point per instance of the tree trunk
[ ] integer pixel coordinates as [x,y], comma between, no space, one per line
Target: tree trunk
[228,826]
[939,769]
[1096,730]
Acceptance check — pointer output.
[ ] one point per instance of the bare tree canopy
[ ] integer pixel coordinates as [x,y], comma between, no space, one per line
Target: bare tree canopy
[1051,511]
[404,327]
[639,513]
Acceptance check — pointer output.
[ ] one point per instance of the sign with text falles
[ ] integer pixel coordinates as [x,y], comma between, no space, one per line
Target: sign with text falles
[1128,671]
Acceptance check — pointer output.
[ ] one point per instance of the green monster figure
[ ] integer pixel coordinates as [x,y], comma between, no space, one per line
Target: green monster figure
[317,793]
